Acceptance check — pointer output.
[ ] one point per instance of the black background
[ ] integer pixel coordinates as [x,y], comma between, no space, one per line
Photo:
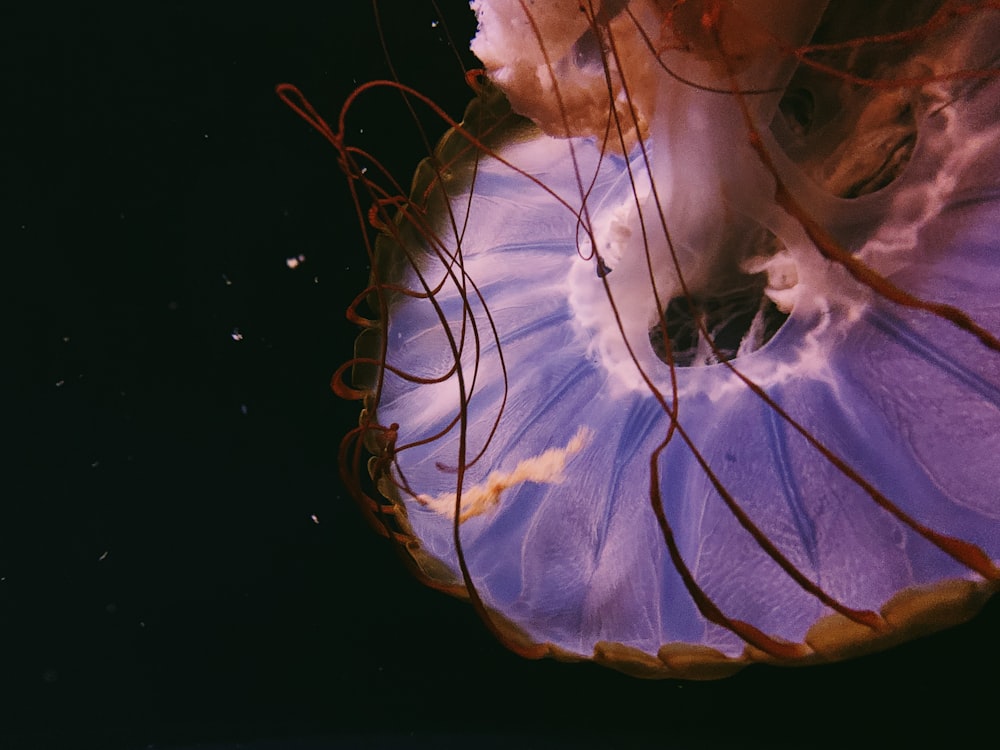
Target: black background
[162,580]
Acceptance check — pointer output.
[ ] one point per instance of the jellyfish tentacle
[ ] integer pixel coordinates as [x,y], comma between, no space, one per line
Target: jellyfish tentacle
[748,632]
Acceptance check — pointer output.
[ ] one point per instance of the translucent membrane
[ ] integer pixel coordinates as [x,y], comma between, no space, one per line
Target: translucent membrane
[693,360]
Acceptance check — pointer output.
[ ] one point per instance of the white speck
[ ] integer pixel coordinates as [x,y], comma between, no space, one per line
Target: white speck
[103,556]
[226,279]
[95,464]
[59,383]
[206,135]
[295,261]
[236,335]
[243,409]
[314,518]
[364,170]
[434,24]
[65,339]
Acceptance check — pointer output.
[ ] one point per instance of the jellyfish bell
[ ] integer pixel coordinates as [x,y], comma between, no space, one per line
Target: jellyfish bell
[684,350]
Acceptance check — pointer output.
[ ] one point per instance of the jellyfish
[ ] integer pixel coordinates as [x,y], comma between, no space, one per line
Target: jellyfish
[682,351]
